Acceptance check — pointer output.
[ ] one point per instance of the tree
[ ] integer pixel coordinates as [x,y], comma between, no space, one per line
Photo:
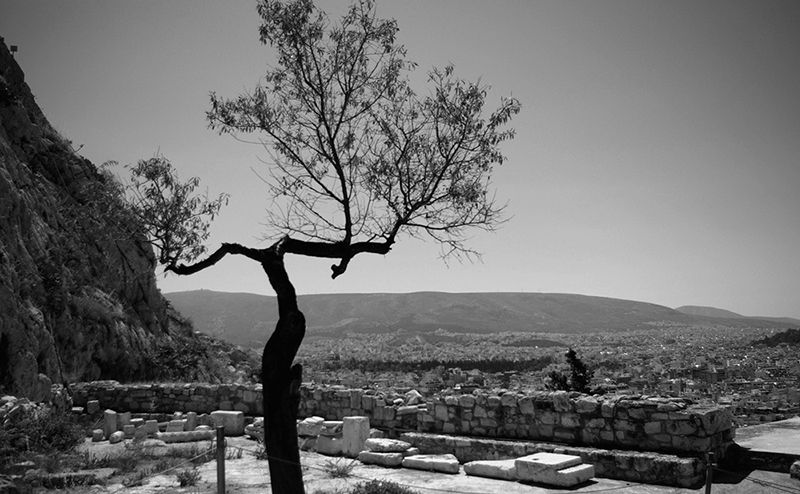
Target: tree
[358,159]
[578,379]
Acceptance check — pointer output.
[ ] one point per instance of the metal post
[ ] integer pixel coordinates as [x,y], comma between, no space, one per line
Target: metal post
[709,470]
[220,459]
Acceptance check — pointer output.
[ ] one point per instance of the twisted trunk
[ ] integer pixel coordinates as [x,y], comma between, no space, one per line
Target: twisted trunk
[281,381]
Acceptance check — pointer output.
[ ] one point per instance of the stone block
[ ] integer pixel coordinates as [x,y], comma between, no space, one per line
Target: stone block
[185,436]
[109,423]
[446,463]
[233,421]
[331,428]
[561,401]
[310,426]
[97,435]
[355,432]
[92,407]
[329,445]
[191,421]
[391,460]
[466,401]
[553,469]
[151,427]
[493,469]
[386,445]
[123,419]
[140,433]
[176,425]
[138,422]
[128,430]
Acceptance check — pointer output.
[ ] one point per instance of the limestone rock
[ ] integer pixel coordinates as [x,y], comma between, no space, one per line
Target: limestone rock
[433,463]
[329,445]
[413,397]
[553,469]
[331,428]
[310,426]
[493,469]
[59,262]
[386,445]
[391,460]
[233,421]
[116,437]
[355,433]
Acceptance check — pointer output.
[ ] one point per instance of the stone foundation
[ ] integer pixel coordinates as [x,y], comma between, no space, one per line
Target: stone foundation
[663,425]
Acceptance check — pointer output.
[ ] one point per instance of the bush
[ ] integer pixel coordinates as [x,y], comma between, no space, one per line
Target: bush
[339,469]
[188,477]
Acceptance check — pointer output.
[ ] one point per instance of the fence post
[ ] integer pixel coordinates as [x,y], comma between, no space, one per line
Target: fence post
[709,470]
[220,459]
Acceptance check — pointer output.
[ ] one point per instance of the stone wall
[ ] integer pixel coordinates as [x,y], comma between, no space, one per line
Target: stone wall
[612,422]
[626,422]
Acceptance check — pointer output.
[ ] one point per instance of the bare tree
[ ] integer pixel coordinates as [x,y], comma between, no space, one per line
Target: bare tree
[357,159]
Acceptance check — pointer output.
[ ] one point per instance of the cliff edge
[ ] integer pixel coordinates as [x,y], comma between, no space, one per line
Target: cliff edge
[78,295]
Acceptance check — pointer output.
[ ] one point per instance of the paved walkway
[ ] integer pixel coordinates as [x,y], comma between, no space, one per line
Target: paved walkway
[776,437]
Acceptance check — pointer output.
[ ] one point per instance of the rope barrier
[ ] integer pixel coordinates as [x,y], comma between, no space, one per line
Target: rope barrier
[162,472]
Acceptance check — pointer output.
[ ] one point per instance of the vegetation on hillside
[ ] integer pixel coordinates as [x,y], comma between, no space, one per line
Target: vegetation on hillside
[788,337]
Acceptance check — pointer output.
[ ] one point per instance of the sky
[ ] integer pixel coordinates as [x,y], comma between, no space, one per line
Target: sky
[657,155]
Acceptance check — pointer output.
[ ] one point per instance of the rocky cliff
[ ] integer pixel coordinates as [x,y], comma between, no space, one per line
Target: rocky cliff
[78,296]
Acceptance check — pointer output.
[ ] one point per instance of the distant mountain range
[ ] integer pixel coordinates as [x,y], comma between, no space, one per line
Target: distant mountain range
[248,319]
[696,310]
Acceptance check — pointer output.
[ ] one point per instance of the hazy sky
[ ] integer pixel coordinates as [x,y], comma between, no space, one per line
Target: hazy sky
[657,155]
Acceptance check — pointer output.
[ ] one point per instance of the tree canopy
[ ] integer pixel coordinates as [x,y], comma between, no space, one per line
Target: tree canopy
[357,156]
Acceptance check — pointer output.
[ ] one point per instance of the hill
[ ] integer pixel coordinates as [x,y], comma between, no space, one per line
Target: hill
[78,294]
[697,310]
[248,319]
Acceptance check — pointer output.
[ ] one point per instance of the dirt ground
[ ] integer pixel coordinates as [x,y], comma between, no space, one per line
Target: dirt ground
[246,474]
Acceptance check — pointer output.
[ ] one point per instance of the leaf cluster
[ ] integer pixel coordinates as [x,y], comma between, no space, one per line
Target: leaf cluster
[578,379]
[176,219]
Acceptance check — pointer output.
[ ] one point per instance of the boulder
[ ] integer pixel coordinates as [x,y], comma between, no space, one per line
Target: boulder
[97,435]
[92,407]
[433,463]
[386,445]
[794,470]
[116,437]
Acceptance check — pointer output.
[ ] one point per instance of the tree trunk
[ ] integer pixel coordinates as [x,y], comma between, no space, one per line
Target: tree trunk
[281,381]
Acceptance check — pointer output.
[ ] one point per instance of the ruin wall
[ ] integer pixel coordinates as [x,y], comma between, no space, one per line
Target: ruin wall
[656,424]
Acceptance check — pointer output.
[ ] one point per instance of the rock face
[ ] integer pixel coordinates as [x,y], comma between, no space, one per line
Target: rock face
[78,295]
